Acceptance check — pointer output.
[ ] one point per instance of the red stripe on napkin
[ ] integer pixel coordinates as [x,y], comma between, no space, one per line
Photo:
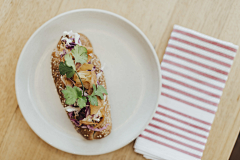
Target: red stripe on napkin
[175,133]
[175,148]
[182,114]
[205,40]
[199,55]
[202,47]
[188,103]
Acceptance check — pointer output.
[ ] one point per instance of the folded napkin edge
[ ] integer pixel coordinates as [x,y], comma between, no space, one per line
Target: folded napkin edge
[230,44]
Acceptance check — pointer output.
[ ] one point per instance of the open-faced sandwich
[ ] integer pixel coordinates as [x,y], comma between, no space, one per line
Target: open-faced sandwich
[81,85]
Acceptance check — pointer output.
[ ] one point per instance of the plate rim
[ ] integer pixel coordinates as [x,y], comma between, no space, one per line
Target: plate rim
[99,11]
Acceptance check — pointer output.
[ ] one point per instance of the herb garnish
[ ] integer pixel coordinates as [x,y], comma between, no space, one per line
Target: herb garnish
[64,69]
[96,92]
[68,67]
[80,54]
[73,94]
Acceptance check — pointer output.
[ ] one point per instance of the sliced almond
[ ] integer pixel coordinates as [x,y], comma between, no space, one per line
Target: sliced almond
[86,77]
[100,101]
[100,122]
[94,78]
[89,58]
[95,109]
[87,123]
[86,67]
[66,81]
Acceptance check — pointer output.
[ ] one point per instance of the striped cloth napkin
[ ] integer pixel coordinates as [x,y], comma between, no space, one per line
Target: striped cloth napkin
[195,68]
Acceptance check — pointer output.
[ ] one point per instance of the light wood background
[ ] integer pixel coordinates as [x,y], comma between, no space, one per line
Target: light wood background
[20,18]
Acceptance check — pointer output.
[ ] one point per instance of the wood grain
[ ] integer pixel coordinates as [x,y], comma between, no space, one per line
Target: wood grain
[20,18]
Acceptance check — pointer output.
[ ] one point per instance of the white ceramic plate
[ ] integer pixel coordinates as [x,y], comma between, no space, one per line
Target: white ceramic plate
[132,73]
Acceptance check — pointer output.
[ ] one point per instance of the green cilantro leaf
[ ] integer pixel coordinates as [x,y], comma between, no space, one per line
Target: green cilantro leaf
[69,61]
[64,69]
[93,100]
[80,54]
[100,90]
[71,94]
[94,89]
[82,102]
[96,92]
[79,92]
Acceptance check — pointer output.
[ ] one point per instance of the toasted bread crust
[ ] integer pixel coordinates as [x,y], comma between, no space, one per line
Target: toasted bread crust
[85,132]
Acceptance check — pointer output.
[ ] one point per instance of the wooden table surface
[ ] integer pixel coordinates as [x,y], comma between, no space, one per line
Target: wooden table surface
[20,18]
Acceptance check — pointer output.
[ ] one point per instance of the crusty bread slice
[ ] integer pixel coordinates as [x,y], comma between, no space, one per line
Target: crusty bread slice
[56,59]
